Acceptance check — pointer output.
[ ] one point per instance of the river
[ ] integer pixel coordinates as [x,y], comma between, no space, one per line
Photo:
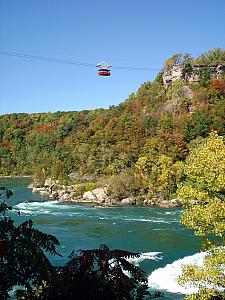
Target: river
[155,232]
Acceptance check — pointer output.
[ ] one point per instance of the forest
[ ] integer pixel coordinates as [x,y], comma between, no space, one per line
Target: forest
[145,139]
[161,141]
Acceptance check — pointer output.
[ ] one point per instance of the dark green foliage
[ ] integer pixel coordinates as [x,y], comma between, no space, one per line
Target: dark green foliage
[97,274]
[6,192]
[187,70]
[219,120]
[199,124]
[216,55]
[24,262]
[22,253]
[204,75]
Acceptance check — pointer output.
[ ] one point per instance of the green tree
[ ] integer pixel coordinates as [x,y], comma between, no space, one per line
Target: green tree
[203,195]
[216,55]
[122,185]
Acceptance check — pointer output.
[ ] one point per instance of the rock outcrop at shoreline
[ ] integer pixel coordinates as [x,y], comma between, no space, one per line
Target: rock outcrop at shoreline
[99,196]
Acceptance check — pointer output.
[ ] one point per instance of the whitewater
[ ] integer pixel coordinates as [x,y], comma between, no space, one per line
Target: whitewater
[154,232]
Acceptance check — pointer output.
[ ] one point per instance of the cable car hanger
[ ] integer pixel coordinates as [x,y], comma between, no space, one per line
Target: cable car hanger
[104,68]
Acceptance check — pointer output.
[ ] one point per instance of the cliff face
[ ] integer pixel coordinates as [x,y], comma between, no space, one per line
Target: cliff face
[191,72]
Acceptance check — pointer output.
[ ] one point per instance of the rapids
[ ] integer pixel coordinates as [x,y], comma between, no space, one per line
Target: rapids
[154,232]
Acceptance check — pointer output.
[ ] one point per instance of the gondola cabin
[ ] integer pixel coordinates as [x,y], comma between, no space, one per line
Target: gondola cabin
[103,72]
[103,69]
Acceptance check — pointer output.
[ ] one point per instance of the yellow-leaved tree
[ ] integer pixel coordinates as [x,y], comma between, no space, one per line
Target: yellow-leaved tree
[157,172]
[158,175]
[203,194]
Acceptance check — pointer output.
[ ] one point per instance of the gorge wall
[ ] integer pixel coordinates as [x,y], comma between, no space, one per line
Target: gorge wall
[192,73]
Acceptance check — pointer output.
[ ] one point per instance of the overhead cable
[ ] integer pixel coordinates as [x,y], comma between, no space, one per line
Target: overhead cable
[67,61]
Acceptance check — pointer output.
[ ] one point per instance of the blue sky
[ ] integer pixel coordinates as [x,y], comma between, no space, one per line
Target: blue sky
[132,33]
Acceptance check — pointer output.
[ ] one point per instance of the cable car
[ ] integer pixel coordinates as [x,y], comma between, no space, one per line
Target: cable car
[103,68]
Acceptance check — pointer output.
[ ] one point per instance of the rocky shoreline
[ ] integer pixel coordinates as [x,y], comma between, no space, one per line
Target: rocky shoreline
[98,196]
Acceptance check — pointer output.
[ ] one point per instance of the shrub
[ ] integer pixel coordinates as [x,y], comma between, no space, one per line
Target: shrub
[39,178]
[122,185]
[89,186]
[85,187]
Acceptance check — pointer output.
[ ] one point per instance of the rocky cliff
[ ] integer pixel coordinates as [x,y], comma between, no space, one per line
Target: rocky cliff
[192,73]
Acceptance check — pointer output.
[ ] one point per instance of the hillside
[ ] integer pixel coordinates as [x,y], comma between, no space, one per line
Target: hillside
[156,126]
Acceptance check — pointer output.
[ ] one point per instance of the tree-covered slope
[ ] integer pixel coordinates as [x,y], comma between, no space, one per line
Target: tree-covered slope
[154,126]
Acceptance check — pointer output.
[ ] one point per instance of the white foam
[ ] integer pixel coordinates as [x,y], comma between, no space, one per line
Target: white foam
[34,208]
[171,213]
[27,205]
[145,256]
[158,220]
[166,278]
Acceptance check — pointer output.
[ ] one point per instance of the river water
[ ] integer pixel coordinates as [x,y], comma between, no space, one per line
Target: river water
[155,232]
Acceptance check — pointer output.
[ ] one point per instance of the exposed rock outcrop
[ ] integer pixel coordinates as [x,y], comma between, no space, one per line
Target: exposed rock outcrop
[89,196]
[169,203]
[183,98]
[101,194]
[98,196]
[190,73]
[128,201]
